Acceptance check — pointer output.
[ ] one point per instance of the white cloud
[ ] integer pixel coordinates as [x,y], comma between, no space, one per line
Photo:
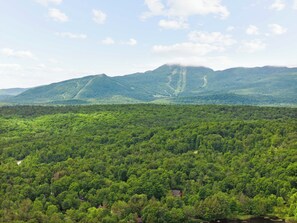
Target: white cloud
[277,29]
[130,42]
[252,30]
[57,15]
[17,53]
[99,16]
[108,41]
[47,2]
[220,62]
[10,66]
[295,4]
[199,44]
[278,5]
[186,48]
[155,8]
[185,8]
[215,38]
[173,24]
[111,41]
[53,61]
[252,46]
[71,35]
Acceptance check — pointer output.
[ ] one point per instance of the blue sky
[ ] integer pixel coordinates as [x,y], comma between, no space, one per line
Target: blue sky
[44,41]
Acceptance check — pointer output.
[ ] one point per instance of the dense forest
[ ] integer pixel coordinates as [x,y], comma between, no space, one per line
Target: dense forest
[149,163]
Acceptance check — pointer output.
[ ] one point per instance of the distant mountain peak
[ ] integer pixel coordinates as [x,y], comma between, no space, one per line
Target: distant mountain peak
[102,75]
[177,65]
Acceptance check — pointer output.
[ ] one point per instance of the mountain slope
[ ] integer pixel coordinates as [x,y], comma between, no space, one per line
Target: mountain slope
[168,81]
[90,88]
[64,90]
[6,94]
[174,84]
[12,91]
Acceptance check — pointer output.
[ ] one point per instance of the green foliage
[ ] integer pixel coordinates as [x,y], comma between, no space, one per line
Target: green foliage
[116,163]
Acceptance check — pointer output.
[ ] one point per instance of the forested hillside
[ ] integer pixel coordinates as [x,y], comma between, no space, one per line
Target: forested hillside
[6,94]
[172,84]
[123,163]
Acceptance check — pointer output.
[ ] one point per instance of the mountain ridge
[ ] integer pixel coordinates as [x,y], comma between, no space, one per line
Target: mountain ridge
[171,83]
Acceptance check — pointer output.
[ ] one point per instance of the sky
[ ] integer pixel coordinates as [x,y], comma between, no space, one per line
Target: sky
[45,41]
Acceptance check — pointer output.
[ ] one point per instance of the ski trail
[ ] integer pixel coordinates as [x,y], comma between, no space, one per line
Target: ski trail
[205,81]
[87,84]
[181,82]
[170,80]
[184,79]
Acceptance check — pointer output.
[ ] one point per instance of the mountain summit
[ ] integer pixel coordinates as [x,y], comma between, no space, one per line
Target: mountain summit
[173,84]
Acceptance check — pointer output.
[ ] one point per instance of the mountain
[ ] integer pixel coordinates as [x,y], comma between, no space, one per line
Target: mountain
[168,81]
[173,84]
[5,94]
[12,91]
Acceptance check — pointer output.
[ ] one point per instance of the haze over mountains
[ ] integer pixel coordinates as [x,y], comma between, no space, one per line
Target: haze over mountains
[170,84]
[5,94]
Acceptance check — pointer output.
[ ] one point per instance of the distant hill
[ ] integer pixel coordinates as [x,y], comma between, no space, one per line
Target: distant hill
[6,94]
[173,84]
[12,91]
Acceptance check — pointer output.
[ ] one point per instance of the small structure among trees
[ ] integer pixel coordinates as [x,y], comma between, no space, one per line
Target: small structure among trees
[177,193]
